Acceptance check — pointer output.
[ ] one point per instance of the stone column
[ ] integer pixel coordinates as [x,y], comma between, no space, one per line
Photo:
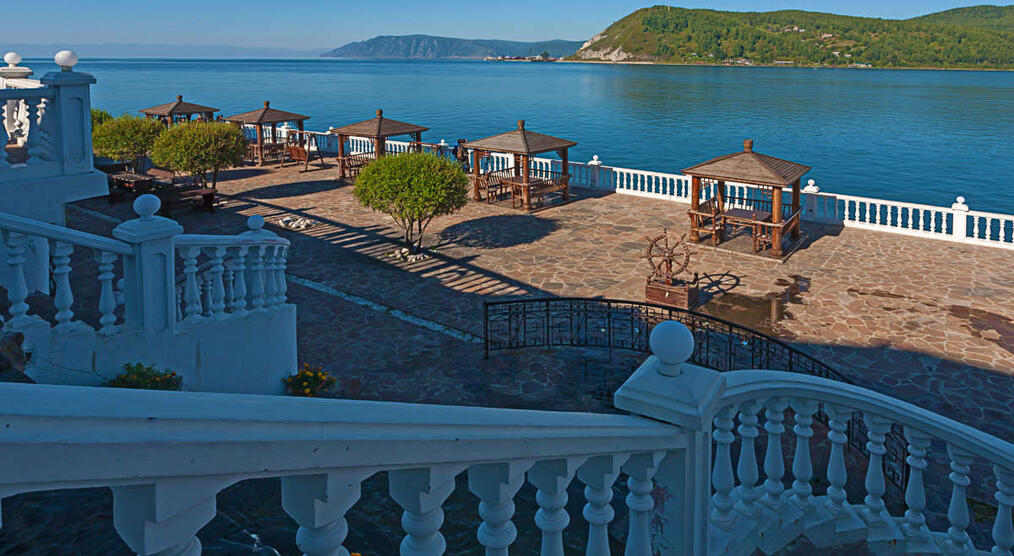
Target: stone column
[667,388]
[72,130]
[149,272]
[594,172]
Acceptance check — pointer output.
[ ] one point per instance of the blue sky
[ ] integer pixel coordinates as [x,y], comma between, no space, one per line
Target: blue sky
[312,24]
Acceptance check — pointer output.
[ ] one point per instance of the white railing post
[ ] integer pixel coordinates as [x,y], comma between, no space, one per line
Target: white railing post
[594,171]
[670,389]
[810,200]
[150,276]
[72,127]
[959,213]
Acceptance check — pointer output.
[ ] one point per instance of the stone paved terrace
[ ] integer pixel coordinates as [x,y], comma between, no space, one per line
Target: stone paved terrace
[929,321]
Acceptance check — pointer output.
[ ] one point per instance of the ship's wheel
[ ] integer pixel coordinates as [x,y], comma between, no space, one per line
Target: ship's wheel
[668,259]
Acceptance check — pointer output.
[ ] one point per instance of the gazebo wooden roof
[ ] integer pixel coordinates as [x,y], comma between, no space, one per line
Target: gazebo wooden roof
[178,108]
[520,141]
[379,127]
[747,166]
[267,115]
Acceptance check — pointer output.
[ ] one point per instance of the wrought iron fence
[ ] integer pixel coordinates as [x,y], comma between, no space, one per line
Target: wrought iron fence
[619,324]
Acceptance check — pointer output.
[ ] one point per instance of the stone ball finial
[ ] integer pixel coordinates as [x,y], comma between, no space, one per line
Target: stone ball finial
[959,204]
[673,343]
[147,205]
[960,199]
[66,59]
[12,59]
[255,222]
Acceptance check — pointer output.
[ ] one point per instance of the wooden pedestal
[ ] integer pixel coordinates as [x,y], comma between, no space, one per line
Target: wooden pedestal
[680,296]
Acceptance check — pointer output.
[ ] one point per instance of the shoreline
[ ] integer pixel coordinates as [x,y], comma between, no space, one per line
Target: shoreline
[779,66]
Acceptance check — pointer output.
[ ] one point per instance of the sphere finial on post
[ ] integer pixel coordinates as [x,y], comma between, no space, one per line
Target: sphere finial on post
[255,222]
[673,344]
[146,206]
[66,59]
[12,59]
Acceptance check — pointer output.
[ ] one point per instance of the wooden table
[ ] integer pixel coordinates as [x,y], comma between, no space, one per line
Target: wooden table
[746,218]
[130,182]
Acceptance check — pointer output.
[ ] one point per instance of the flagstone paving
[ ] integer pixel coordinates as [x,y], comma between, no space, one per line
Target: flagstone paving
[927,321]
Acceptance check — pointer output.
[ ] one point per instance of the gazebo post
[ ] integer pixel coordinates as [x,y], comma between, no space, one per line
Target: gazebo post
[776,219]
[260,144]
[417,137]
[695,204]
[565,174]
[526,179]
[796,194]
[476,157]
[379,145]
[341,156]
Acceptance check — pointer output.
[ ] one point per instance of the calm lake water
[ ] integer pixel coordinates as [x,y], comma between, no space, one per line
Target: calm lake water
[922,136]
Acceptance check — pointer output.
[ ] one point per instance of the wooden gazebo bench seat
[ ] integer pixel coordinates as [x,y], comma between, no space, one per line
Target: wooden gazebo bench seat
[709,215]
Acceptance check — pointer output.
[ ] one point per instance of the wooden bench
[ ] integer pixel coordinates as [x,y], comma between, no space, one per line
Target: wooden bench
[199,199]
[709,215]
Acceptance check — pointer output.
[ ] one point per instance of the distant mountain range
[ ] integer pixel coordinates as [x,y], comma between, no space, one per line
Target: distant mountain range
[427,46]
[979,37]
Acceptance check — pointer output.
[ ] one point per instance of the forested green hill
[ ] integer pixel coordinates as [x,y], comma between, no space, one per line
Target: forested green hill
[679,35]
[997,18]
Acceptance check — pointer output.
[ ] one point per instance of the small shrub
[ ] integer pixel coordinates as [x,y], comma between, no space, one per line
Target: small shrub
[100,117]
[146,377]
[309,382]
[201,149]
[126,138]
[413,189]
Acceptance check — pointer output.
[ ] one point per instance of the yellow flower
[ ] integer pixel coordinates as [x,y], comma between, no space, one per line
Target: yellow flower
[306,391]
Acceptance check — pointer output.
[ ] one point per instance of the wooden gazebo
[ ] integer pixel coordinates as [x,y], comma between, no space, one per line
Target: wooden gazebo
[267,116]
[518,181]
[179,110]
[763,212]
[376,129]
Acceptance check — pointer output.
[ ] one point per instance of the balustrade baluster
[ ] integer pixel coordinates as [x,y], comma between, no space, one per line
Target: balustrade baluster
[598,474]
[802,463]
[551,478]
[17,288]
[191,289]
[874,511]
[280,267]
[1003,528]
[925,220]
[774,461]
[908,218]
[746,469]
[496,484]
[837,474]
[239,282]
[34,138]
[914,525]
[318,503]
[4,138]
[206,287]
[957,510]
[421,492]
[216,272]
[228,277]
[64,297]
[107,297]
[257,277]
[270,285]
[721,475]
[179,303]
[640,470]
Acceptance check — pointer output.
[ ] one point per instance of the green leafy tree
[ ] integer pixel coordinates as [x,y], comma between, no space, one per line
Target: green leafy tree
[201,149]
[126,138]
[100,117]
[413,189]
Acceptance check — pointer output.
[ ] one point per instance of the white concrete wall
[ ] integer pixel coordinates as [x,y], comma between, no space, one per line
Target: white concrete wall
[248,353]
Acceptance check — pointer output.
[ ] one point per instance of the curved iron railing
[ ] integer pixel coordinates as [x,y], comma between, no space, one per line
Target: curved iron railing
[620,324]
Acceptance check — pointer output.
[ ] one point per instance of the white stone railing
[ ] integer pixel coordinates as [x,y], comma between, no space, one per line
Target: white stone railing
[29,123]
[53,246]
[231,301]
[751,510]
[166,455]
[224,275]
